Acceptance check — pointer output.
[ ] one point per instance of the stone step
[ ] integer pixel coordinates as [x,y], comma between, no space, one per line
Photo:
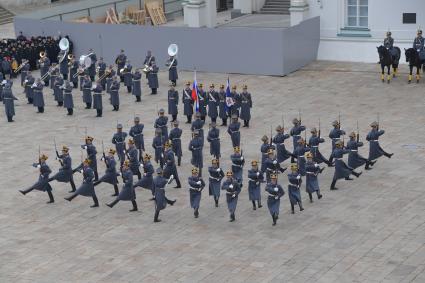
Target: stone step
[274,12]
[5,16]
[283,6]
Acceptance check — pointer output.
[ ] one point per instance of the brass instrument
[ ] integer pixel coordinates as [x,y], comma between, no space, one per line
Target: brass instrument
[84,61]
[20,66]
[64,47]
[173,49]
[42,55]
[146,69]
[105,75]
[49,72]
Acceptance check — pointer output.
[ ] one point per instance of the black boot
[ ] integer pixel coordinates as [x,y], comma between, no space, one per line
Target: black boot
[357,174]
[310,197]
[333,188]
[96,202]
[138,99]
[389,155]
[60,103]
[178,184]
[170,202]
[51,199]
[9,119]
[300,204]
[367,166]
[99,113]
[259,204]
[274,219]
[292,209]
[24,192]
[253,205]
[96,175]
[319,195]
[70,111]
[179,161]
[232,217]
[348,178]
[156,219]
[115,190]
[196,213]
[134,203]
[111,205]
[71,197]
[88,105]
[73,188]
[216,202]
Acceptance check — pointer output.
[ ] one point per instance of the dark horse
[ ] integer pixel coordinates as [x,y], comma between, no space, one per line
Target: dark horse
[412,57]
[388,60]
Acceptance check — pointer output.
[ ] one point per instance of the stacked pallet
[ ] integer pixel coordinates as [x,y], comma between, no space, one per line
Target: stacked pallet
[155,10]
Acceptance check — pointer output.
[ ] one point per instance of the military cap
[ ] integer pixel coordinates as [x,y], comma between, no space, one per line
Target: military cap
[374,124]
[44,156]
[136,119]
[419,31]
[254,162]
[214,161]
[130,141]
[195,170]
[172,84]
[352,135]
[112,151]
[198,115]
[201,85]
[237,149]
[294,166]
[65,148]
[212,85]
[188,83]
[278,128]
[270,151]
[126,163]
[147,156]
[167,144]
[229,173]
[89,138]
[234,87]
[308,155]
[339,143]
[176,123]
[222,86]
[313,130]
[335,123]
[159,171]
[295,121]
[161,111]
[273,176]
[119,126]
[264,138]
[244,87]
[388,33]
[87,161]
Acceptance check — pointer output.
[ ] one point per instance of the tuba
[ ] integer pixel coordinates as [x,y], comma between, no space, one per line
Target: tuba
[173,49]
[85,62]
[64,47]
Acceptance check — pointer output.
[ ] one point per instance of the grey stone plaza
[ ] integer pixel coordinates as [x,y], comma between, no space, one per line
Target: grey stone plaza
[371,230]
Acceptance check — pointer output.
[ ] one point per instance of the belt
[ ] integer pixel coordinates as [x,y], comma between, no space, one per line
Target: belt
[374,140]
[138,134]
[215,139]
[312,173]
[98,93]
[197,148]
[296,186]
[315,146]
[195,189]
[6,98]
[119,141]
[301,156]
[338,158]
[136,80]
[214,178]
[354,150]
[336,138]
[234,131]
[86,88]
[161,126]
[273,196]
[233,164]
[68,92]
[175,138]
[296,135]
[253,180]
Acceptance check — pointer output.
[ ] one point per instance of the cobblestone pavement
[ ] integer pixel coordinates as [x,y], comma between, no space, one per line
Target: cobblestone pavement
[371,230]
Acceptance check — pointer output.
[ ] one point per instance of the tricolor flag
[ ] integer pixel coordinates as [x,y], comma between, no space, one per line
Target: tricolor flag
[229,99]
[195,93]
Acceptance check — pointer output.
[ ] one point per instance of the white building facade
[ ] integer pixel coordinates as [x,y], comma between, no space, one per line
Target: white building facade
[350,30]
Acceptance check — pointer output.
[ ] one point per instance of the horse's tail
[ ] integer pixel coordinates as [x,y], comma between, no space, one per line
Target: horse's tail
[398,55]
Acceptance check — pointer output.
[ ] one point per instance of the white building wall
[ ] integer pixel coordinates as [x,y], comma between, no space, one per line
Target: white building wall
[383,15]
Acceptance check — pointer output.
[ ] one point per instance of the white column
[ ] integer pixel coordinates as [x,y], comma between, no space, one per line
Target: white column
[194,13]
[211,13]
[257,5]
[245,6]
[299,11]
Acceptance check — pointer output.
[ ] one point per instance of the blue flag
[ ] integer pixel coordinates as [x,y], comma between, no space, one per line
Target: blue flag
[229,99]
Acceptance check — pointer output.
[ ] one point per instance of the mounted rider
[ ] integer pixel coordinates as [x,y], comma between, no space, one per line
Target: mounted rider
[389,44]
[418,44]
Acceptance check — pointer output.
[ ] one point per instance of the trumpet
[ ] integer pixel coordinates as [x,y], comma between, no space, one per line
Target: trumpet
[20,67]
[106,74]
[147,69]
[49,73]
[79,72]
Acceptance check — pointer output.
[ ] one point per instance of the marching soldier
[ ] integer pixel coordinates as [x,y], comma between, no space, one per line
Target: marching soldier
[65,174]
[44,68]
[97,99]
[73,71]
[222,106]
[187,103]
[43,180]
[213,138]
[161,123]
[234,109]
[92,68]
[196,185]
[312,170]
[279,142]
[128,77]
[275,192]
[29,93]
[136,132]
[119,140]
[161,201]
[91,155]
[111,174]
[216,174]
[173,101]
[335,135]
[101,67]
[86,189]
[133,157]
[87,97]
[63,66]
[255,177]
[115,96]
[120,62]
[82,73]
[110,78]
[234,132]
[158,146]
[137,86]
[153,78]
[8,101]
[172,70]
[355,160]
[68,101]
[127,192]
[149,60]
[147,179]
[375,150]
[58,90]
[198,125]
[232,191]
[314,142]
[38,99]
[24,70]
[264,151]
[272,165]
[213,103]
[418,44]
[296,132]
[195,146]
[176,143]
[246,105]
[299,153]
[238,162]
[294,188]
[170,168]
[341,169]
[54,72]
[203,101]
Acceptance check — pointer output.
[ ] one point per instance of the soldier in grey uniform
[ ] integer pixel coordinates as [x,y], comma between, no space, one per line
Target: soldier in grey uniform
[238,161]
[54,72]
[375,150]
[110,78]
[115,96]
[97,98]
[213,138]
[91,155]
[255,177]
[335,135]
[272,165]
[176,143]
[264,151]
[128,77]
[418,44]
[158,145]
[24,71]
[203,101]
[58,90]
[172,70]
[44,68]
[234,132]
[187,103]
[136,132]
[198,125]
[153,78]
[279,142]
[222,106]
[119,140]
[29,93]
[294,185]
[111,174]
[161,201]
[137,87]
[92,68]
[68,101]
[314,142]
[127,192]
[389,44]
[43,180]
[170,168]
[246,105]
[72,71]
[87,96]
[196,185]
[234,109]
[65,174]
[133,156]
[120,61]
[216,174]
[275,192]
[312,171]
[296,132]
[355,160]
[38,99]
[232,188]
[213,103]
[342,171]
[149,59]
[8,101]
[173,101]
[147,179]
[162,123]
[196,146]
[63,66]
[101,67]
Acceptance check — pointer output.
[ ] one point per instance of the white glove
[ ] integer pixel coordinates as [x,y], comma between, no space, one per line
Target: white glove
[276,197]
[217,170]
[241,157]
[124,151]
[85,147]
[258,173]
[276,189]
[162,155]
[144,174]
[26,81]
[102,159]
[141,165]
[234,195]
[316,165]
[274,162]
[298,177]
[38,166]
[198,183]
[119,174]
[231,186]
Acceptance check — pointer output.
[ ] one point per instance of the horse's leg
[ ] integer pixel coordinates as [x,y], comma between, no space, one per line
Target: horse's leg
[395,65]
[389,73]
[383,72]
[410,73]
[418,69]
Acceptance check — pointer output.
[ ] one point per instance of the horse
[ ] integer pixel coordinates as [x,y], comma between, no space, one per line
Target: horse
[412,57]
[386,59]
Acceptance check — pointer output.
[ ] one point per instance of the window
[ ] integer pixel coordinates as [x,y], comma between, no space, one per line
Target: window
[357,13]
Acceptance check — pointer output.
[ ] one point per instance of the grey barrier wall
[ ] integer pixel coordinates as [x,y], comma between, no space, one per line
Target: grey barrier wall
[244,50]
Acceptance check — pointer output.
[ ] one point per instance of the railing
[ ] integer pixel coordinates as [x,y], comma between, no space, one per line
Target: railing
[166,4]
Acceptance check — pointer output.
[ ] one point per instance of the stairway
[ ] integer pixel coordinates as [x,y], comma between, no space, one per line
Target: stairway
[5,16]
[229,4]
[280,7]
